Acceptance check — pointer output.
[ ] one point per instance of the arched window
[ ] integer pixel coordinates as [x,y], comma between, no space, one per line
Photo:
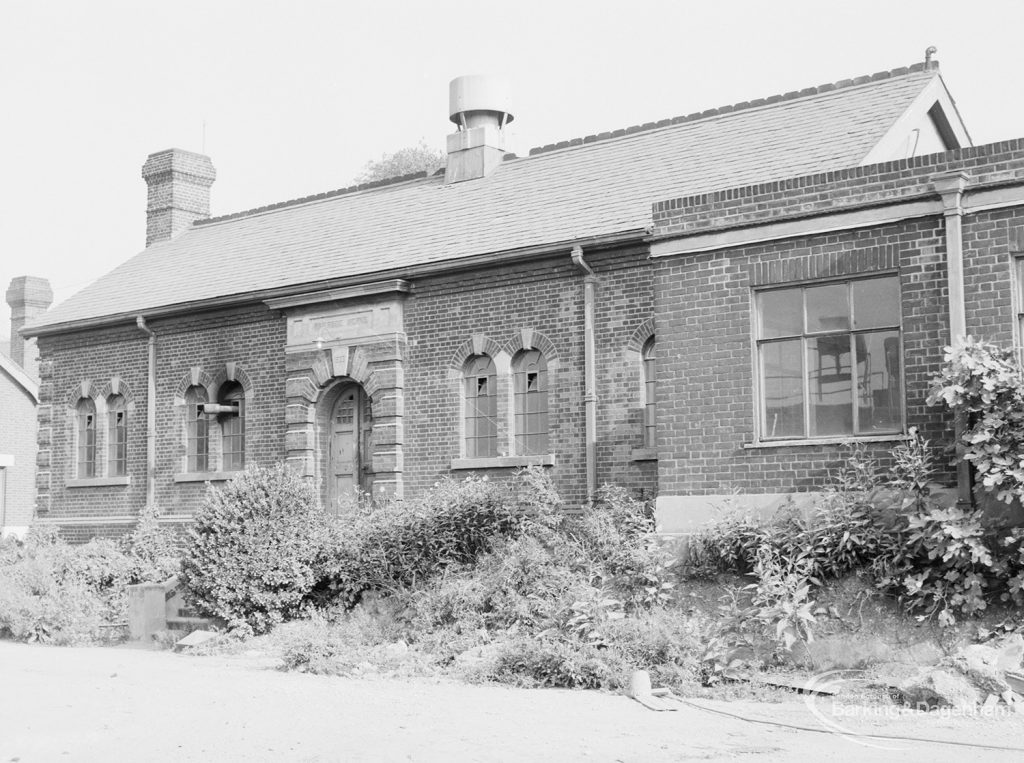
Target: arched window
[232,426]
[197,430]
[530,386]
[117,436]
[86,414]
[650,401]
[481,412]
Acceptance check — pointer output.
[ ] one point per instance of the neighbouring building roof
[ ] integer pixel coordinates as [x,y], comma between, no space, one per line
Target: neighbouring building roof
[587,188]
[17,374]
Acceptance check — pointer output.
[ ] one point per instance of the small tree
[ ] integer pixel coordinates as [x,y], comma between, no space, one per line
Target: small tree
[405,161]
[253,555]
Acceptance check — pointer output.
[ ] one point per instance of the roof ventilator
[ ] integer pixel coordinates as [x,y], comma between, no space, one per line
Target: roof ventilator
[478,107]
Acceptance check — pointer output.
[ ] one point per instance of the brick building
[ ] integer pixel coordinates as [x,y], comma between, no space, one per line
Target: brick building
[624,308]
[19,393]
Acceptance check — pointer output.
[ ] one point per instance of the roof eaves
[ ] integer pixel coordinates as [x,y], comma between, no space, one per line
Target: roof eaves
[404,272]
[20,376]
[743,106]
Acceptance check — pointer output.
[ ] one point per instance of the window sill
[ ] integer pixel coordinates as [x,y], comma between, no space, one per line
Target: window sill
[644,454]
[803,443]
[204,476]
[123,481]
[503,462]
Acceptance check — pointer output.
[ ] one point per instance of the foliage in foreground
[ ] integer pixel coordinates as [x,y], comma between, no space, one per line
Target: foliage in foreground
[984,385]
[53,592]
[254,552]
[938,561]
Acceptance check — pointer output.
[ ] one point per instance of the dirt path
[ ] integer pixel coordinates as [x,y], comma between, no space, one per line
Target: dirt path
[129,705]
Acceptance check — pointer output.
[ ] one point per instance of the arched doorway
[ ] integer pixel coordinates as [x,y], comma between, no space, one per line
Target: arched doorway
[348,459]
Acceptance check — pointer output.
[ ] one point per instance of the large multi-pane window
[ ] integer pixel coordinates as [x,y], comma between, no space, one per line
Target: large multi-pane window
[117,436]
[530,388]
[830,360]
[232,426]
[85,412]
[481,413]
[197,430]
[650,407]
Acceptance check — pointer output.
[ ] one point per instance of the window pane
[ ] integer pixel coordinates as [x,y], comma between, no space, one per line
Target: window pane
[783,391]
[830,385]
[781,313]
[879,382]
[481,424]
[876,302]
[530,385]
[828,308]
[650,386]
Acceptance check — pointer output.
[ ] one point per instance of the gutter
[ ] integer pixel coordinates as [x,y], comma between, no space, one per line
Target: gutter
[589,369]
[140,321]
[636,235]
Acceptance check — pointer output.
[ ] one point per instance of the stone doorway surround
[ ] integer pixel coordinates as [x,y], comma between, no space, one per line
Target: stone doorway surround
[350,334]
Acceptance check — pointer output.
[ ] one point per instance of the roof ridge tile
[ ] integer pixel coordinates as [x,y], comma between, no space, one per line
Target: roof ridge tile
[318,196]
[827,87]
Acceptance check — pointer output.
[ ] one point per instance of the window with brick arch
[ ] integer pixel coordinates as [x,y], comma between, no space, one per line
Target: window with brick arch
[829,359]
[197,425]
[232,426]
[530,389]
[650,384]
[481,412]
[117,436]
[85,412]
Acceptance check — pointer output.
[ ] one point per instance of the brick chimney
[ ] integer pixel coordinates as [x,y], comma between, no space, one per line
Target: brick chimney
[479,108]
[28,296]
[179,192]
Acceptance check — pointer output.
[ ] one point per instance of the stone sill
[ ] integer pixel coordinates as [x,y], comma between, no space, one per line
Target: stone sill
[803,443]
[503,462]
[644,454]
[204,476]
[100,482]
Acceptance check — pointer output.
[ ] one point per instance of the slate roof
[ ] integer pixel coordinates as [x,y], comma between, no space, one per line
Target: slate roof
[592,187]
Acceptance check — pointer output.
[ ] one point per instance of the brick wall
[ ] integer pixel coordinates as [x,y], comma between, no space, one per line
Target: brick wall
[17,441]
[546,296]
[856,187]
[252,339]
[703,312]
[704,301]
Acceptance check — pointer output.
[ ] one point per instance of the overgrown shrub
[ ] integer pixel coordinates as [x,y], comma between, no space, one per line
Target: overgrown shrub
[983,385]
[392,545]
[552,662]
[51,592]
[254,552]
[152,549]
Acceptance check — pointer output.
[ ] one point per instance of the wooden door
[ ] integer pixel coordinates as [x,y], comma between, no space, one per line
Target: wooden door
[348,453]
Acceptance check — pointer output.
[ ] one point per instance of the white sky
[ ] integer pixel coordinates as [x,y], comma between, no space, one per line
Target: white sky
[297,96]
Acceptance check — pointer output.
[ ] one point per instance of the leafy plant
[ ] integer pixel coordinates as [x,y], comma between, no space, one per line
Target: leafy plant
[983,385]
[255,550]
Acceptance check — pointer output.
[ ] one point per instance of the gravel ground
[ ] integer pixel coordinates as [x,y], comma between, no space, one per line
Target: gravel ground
[86,704]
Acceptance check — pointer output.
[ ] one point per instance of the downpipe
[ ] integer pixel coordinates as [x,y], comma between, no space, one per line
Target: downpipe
[140,321]
[589,370]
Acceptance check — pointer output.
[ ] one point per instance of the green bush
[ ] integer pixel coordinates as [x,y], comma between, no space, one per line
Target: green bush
[255,551]
[392,545]
[51,592]
[551,662]
[984,385]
